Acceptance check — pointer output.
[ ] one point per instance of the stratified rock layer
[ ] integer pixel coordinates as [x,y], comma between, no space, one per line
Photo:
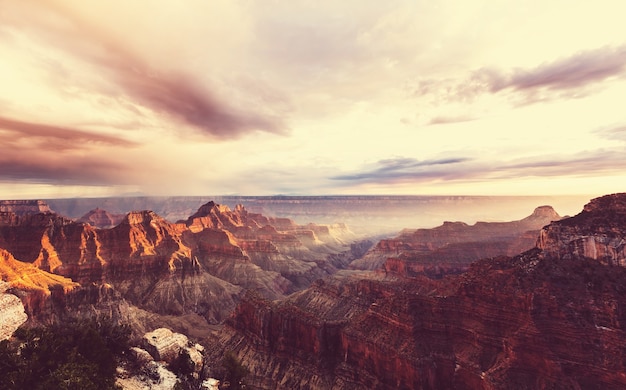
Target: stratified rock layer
[195,267]
[24,207]
[598,232]
[541,320]
[453,246]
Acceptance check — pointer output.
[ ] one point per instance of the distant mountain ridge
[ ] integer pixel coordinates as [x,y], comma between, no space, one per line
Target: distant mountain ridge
[453,246]
[370,214]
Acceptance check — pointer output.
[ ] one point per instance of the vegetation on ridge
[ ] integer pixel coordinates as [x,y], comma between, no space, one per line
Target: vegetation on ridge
[81,354]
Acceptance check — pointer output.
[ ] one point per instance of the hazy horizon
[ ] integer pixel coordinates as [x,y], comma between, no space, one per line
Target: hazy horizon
[310,98]
[362,213]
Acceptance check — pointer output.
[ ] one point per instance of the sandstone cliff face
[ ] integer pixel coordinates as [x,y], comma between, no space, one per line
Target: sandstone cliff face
[24,207]
[196,267]
[543,319]
[453,246]
[598,232]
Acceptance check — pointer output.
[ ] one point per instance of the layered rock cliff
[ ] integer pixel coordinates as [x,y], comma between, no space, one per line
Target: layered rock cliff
[24,207]
[198,267]
[546,318]
[598,232]
[453,246]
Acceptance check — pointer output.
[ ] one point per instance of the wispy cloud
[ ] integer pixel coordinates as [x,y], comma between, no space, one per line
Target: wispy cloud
[126,73]
[409,170]
[51,137]
[43,153]
[582,163]
[398,169]
[616,133]
[82,171]
[564,78]
[445,119]
[576,71]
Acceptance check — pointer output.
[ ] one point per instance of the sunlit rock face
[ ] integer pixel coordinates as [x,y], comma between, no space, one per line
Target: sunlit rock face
[453,246]
[198,267]
[546,318]
[598,232]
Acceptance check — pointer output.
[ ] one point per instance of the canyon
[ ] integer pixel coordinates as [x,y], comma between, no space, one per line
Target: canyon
[537,302]
[148,270]
[453,246]
[550,317]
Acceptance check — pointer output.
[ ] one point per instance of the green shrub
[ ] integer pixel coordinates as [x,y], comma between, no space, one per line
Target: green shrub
[81,354]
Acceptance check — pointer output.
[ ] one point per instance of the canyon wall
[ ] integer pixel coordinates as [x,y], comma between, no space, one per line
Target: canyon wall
[195,267]
[551,317]
[453,246]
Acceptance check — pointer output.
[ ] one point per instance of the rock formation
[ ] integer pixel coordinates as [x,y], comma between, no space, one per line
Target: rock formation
[598,232]
[164,345]
[101,219]
[453,246]
[198,267]
[551,317]
[24,207]
[12,313]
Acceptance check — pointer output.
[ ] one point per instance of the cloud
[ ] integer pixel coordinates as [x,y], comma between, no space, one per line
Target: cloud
[107,65]
[53,138]
[582,163]
[42,153]
[409,170]
[444,119]
[181,97]
[84,171]
[564,78]
[616,133]
[579,70]
[405,169]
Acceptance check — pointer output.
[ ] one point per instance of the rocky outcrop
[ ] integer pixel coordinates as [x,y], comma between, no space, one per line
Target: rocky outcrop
[24,207]
[541,319]
[453,246]
[101,219]
[598,232]
[12,314]
[164,345]
[197,267]
[164,359]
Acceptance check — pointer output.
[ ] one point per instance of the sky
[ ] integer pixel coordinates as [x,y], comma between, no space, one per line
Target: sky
[299,97]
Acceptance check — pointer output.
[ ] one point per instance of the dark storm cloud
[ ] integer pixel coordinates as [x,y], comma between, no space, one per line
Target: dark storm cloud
[398,169]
